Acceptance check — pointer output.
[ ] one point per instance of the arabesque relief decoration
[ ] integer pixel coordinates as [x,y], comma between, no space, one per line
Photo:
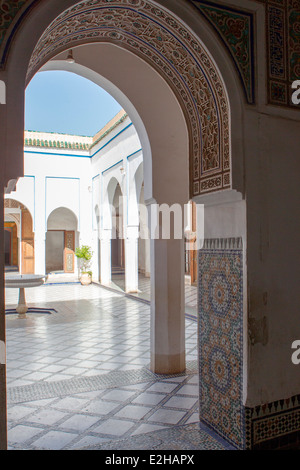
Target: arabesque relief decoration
[176,53]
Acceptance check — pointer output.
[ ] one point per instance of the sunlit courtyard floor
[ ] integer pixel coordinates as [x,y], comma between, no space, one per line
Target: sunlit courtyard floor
[144,291]
[80,377]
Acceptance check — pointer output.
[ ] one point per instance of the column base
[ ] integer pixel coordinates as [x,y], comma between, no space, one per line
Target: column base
[168,364]
[131,291]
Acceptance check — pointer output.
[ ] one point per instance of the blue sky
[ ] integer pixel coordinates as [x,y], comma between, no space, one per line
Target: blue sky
[67,103]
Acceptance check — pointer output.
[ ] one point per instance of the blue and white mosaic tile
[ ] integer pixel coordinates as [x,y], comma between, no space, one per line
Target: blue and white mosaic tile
[221,342]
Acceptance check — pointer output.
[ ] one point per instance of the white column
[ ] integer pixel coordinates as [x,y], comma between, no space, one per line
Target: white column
[131,260]
[40,252]
[147,258]
[145,237]
[105,249]
[40,228]
[95,259]
[167,307]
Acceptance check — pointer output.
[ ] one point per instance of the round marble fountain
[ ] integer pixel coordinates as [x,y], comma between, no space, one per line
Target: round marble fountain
[22,282]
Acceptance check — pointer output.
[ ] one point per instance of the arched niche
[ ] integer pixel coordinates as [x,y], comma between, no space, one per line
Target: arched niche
[61,240]
[22,237]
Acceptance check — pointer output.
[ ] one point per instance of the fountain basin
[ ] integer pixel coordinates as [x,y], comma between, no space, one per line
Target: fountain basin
[22,282]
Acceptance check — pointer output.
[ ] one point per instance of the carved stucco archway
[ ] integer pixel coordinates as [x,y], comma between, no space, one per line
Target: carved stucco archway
[163,41]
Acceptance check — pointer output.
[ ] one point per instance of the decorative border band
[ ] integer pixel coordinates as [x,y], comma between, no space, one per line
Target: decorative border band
[223,244]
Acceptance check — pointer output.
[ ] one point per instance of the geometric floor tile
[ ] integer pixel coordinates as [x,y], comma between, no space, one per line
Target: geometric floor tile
[167,416]
[22,433]
[79,378]
[100,407]
[54,440]
[79,422]
[114,427]
[146,428]
[178,438]
[181,402]
[133,412]
[18,412]
[47,417]
[118,395]
[149,398]
[162,387]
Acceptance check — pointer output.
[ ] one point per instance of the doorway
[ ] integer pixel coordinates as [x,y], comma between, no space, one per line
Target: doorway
[7,246]
[61,241]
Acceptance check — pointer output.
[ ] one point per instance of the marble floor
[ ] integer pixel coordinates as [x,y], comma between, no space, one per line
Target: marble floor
[79,377]
[118,282]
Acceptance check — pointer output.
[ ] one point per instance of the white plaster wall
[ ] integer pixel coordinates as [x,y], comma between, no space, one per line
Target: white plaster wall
[61,180]
[76,180]
[63,192]
[25,194]
[96,208]
[114,157]
[267,220]
[114,162]
[120,143]
[273,201]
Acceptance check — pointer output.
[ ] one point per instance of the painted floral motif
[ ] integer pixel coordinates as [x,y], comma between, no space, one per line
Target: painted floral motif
[8,11]
[283,54]
[236,30]
[283,42]
[294,38]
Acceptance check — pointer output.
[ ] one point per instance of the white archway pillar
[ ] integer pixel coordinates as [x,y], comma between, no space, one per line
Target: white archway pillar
[40,226]
[147,259]
[144,238]
[167,337]
[105,254]
[167,307]
[96,255]
[131,259]
[40,252]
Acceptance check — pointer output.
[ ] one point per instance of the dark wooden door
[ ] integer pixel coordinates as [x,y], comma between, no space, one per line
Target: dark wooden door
[69,255]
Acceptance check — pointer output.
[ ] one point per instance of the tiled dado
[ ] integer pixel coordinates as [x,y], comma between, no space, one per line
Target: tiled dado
[220,294]
[274,425]
[220,299]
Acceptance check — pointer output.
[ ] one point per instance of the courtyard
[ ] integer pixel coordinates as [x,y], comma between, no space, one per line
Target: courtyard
[79,377]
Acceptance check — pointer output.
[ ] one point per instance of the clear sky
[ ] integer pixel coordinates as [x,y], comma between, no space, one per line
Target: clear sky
[67,103]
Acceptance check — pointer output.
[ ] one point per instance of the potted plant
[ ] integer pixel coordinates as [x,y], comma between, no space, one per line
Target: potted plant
[84,254]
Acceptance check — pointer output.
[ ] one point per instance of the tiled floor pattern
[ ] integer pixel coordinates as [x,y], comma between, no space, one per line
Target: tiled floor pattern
[92,418]
[187,437]
[95,335]
[145,290]
[94,332]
